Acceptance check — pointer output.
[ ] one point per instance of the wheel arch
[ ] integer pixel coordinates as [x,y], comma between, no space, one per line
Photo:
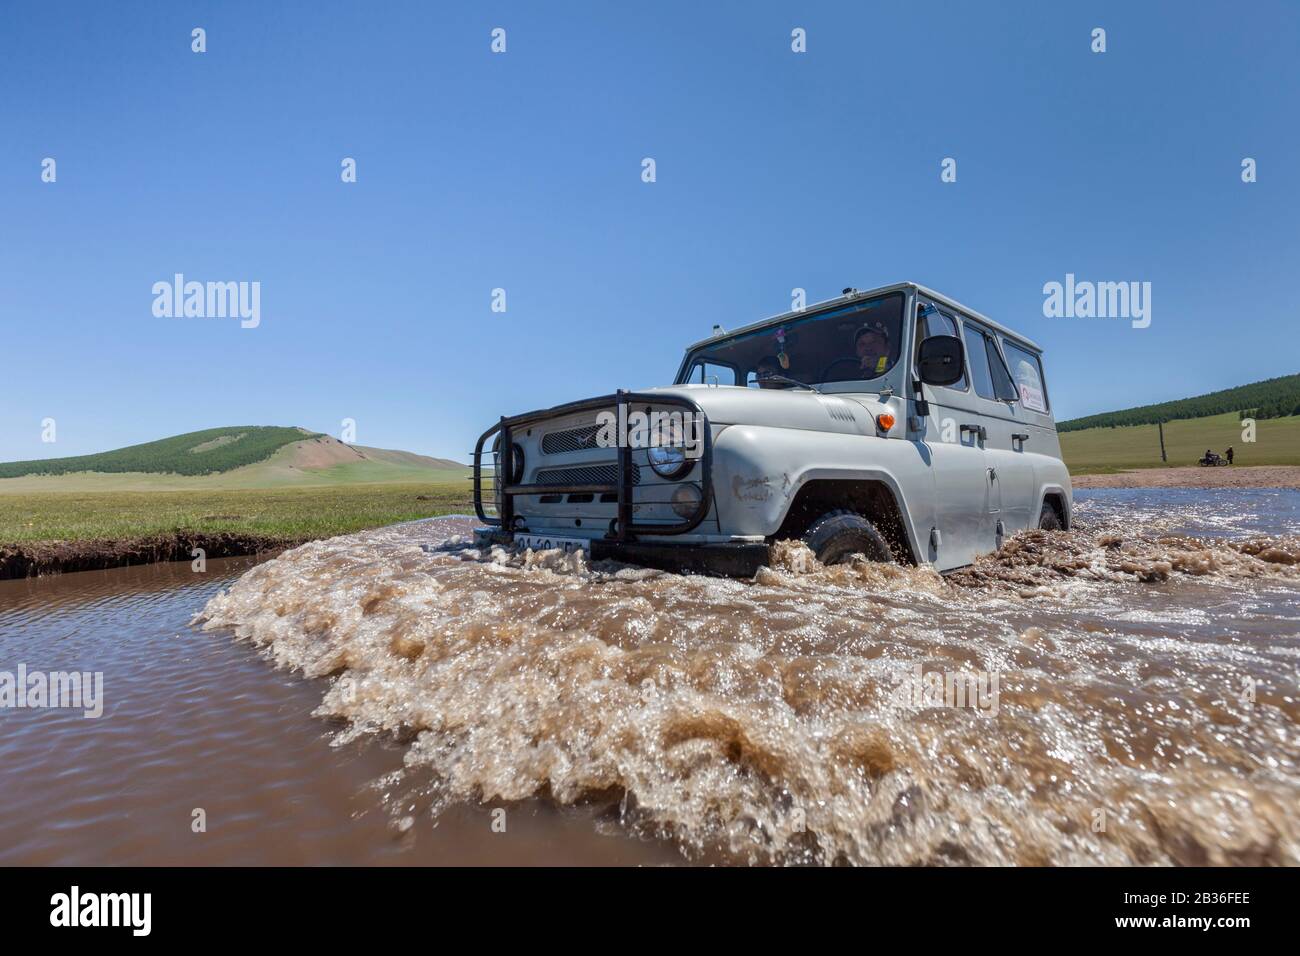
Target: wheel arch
[1059,499]
[875,497]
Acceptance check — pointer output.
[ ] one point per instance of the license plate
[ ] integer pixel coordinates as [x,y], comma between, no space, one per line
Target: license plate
[543,542]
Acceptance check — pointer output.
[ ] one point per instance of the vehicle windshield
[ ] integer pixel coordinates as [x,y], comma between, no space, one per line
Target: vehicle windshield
[852,343]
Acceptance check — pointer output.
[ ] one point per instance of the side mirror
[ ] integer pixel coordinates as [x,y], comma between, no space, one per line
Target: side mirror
[942,360]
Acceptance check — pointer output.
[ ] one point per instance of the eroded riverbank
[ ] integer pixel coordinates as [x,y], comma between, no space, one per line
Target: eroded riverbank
[33,559]
[1232,476]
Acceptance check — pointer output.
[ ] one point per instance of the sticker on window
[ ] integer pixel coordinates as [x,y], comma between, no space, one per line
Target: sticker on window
[1030,387]
[1032,398]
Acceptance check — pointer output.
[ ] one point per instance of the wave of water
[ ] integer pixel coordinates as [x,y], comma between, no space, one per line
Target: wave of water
[1146,707]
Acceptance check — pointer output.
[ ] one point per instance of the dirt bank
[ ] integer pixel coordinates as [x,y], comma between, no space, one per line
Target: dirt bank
[52,557]
[1231,476]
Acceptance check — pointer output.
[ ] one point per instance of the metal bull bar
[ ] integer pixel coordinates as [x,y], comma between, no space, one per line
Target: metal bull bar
[623,528]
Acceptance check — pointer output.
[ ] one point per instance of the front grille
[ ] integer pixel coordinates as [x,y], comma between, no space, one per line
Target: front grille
[571,439]
[590,475]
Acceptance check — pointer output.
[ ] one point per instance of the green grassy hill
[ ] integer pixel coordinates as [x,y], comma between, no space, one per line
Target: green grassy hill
[248,457]
[1100,450]
[205,452]
[1271,398]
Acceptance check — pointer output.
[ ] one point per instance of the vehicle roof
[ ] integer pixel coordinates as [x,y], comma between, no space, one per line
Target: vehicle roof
[867,294]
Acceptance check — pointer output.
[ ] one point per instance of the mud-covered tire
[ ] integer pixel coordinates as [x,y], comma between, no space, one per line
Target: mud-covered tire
[834,537]
[1049,520]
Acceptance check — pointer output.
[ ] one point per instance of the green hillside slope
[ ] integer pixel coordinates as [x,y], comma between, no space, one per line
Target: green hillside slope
[1271,398]
[408,458]
[195,453]
[310,460]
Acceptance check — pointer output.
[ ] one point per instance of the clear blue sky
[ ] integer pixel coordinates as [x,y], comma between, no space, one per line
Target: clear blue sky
[523,171]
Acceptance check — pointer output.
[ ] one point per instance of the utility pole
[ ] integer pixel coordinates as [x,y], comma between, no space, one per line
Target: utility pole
[1163,457]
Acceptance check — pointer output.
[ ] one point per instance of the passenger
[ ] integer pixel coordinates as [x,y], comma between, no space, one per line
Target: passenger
[871,342]
[1229,454]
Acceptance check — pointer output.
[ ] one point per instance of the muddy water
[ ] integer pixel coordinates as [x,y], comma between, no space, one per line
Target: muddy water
[193,720]
[376,698]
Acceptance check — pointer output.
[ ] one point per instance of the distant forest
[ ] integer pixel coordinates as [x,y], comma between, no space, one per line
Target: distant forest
[1271,398]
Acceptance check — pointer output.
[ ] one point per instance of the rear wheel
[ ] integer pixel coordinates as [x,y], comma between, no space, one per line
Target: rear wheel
[1049,520]
[836,536]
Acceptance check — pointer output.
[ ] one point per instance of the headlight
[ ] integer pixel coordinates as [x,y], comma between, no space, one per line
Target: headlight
[669,461]
[686,498]
[517,460]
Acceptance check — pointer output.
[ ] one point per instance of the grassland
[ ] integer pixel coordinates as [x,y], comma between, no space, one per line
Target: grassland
[285,515]
[49,532]
[272,474]
[1108,450]
[227,490]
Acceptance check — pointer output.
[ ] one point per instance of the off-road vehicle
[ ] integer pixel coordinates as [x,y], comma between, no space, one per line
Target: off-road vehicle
[897,424]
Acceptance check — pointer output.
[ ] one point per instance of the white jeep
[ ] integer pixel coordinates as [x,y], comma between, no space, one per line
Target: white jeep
[896,423]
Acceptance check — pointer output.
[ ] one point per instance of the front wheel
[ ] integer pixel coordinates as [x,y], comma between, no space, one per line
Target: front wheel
[837,536]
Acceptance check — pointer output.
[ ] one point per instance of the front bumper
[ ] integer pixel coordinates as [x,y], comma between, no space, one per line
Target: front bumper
[740,559]
[622,490]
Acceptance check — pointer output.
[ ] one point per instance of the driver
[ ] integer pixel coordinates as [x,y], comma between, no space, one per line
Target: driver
[871,343]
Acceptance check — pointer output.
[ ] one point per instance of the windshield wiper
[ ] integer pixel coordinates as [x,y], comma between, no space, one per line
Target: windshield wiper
[785,379]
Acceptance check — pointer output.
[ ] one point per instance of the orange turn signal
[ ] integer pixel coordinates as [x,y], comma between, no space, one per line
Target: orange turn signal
[885,422]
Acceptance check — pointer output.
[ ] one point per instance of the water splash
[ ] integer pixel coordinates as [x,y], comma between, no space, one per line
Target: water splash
[759,721]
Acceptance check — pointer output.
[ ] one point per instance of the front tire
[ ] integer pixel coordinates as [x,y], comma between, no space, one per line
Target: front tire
[836,536]
[1049,520]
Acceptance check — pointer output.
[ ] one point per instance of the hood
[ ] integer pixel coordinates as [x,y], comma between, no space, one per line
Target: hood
[779,408]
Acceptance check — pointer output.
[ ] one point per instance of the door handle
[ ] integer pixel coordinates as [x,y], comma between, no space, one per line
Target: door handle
[1021,437]
[978,430]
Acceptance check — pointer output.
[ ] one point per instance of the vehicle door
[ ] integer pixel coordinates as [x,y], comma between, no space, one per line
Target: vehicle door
[950,435]
[996,403]
[1035,443]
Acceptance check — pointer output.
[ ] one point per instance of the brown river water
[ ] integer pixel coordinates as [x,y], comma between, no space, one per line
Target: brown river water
[1123,693]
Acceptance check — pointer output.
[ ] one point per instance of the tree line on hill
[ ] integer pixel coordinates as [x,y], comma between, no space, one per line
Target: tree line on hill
[1271,398]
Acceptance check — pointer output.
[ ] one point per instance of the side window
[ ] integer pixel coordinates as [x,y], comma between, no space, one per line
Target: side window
[1027,373]
[977,359]
[989,372]
[1001,377]
[935,322]
[706,373]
